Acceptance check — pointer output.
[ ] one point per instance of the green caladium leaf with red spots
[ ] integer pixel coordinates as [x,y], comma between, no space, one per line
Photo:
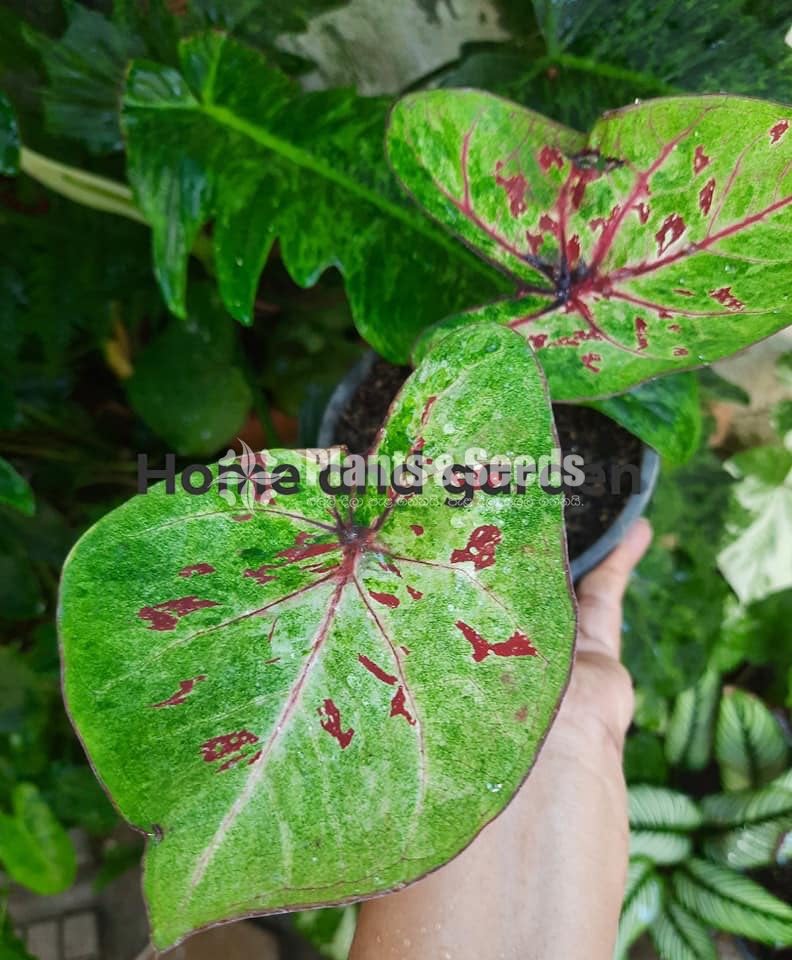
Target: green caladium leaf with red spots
[305,702]
[657,243]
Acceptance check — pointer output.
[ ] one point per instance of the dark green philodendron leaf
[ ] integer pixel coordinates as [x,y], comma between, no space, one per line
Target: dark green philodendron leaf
[35,850]
[665,413]
[750,745]
[725,900]
[86,71]
[9,138]
[643,898]
[230,139]
[678,935]
[656,243]
[15,490]
[304,704]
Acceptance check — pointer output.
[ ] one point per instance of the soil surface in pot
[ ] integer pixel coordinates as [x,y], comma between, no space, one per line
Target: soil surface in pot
[597,439]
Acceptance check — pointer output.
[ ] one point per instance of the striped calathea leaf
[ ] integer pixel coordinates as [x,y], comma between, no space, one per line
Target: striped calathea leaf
[656,243]
[305,702]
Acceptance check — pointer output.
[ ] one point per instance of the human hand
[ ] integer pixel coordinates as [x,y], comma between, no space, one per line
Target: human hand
[600,693]
[546,878]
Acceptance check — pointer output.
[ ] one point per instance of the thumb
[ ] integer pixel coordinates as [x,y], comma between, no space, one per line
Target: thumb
[600,592]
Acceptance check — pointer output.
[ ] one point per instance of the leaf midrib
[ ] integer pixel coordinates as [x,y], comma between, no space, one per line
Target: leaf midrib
[302,158]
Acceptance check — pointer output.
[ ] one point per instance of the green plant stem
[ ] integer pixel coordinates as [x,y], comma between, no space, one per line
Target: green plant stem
[98,193]
[90,190]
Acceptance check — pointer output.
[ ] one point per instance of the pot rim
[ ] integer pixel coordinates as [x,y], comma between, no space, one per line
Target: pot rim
[578,566]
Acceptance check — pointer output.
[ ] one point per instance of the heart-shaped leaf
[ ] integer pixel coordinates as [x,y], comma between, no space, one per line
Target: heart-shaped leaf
[231,139]
[656,243]
[304,702]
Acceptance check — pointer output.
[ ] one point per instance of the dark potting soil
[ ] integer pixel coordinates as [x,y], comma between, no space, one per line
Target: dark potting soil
[597,439]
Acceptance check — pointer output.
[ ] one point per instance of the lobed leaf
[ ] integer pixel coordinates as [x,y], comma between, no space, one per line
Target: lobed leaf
[756,557]
[750,746]
[728,901]
[230,139]
[302,705]
[656,243]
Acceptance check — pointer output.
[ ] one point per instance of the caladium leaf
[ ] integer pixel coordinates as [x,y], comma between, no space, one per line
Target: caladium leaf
[231,139]
[656,243]
[303,705]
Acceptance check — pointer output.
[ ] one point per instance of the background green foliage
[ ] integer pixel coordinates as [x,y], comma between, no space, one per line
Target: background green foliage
[90,358]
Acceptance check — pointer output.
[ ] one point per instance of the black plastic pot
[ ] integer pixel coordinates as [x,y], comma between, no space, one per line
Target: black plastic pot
[635,506]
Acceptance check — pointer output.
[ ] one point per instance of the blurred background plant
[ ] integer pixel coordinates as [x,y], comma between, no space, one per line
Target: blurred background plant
[94,368]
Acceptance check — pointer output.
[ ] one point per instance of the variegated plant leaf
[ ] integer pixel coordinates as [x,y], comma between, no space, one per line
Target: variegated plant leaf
[750,745]
[304,702]
[678,935]
[688,740]
[643,898]
[231,139]
[725,900]
[658,242]
[747,829]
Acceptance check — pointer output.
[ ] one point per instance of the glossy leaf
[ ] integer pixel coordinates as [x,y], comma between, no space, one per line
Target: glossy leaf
[691,726]
[302,706]
[35,850]
[665,413]
[15,491]
[750,745]
[643,248]
[9,138]
[230,139]
[678,935]
[331,931]
[728,901]
[757,557]
[643,897]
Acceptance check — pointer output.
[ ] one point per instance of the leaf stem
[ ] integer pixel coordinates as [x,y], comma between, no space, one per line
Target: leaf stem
[88,189]
[98,193]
